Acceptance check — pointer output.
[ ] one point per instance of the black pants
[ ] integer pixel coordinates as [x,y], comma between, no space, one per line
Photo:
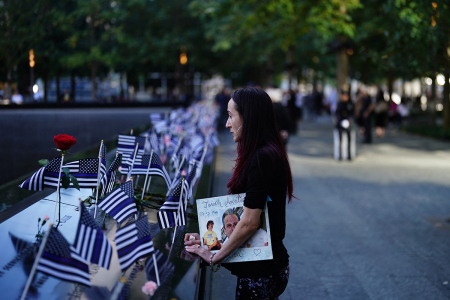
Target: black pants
[262,288]
[368,130]
[348,132]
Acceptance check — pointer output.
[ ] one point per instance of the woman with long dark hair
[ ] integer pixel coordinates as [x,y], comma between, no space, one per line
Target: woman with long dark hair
[262,169]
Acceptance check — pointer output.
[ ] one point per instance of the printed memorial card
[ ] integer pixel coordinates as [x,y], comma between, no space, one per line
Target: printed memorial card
[217,219]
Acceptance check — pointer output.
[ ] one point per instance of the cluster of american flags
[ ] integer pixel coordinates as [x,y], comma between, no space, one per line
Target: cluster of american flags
[175,141]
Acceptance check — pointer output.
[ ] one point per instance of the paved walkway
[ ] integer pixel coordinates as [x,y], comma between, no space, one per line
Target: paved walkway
[374,228]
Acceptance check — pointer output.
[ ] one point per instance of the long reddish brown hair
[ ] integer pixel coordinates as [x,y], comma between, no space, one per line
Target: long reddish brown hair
[258,130]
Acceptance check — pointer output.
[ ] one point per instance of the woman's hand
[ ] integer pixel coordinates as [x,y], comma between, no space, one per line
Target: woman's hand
[200,251]
[192,239]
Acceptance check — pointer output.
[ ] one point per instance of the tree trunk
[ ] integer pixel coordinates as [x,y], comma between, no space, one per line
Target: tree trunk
[342,69]
[8,92]
[299,74]
[122,93]
[269,71]
[290,64]
[58,89]
[94,67]
[45,87]
[315,80]
[72,87]
[432,104]
[403,89]
[390,83]
[445,100]
[342,56]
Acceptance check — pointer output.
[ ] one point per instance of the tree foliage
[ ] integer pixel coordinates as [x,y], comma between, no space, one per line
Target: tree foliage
[256,39]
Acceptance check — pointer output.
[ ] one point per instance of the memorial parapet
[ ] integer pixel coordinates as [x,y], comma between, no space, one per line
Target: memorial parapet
[178,271]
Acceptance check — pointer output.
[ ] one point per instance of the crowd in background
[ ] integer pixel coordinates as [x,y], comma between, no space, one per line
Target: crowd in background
[372,107]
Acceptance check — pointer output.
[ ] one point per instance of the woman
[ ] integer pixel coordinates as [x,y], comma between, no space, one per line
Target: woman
[262,169]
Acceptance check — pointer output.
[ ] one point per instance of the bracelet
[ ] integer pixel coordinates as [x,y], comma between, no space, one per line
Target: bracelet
[211,265]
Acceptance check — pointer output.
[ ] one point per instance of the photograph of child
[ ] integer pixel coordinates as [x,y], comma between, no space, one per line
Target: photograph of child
[210,237]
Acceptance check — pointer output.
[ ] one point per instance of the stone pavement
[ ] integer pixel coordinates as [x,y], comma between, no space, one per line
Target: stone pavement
[373,228]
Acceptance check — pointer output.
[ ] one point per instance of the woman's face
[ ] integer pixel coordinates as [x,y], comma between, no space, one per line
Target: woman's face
[234,121]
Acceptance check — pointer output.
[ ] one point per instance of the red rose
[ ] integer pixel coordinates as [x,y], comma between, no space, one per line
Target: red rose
[64,142]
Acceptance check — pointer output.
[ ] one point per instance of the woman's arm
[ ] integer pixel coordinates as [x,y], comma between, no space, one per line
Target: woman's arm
[248,224]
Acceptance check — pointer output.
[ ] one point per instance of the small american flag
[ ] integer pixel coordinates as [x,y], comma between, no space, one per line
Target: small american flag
[120,203]
[90,242]
[103,150]
[85,170]
[197,143]
[156,117]
[190,178]
[168,213]
[134,241]
[141,165]
[127,144]
[160,126]
[61,261]
[213,140]
[164,266]
[154,143]
[177,176]
[110,177]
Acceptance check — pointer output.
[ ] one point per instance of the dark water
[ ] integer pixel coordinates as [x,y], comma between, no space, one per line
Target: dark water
[26,136]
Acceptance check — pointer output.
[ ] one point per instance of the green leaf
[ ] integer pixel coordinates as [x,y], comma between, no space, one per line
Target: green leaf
[43,162]
[65,181]
[66,171]
[74,181]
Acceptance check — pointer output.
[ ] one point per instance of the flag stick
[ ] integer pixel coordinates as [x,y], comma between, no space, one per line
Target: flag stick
[148,184]
[110,183]
[118,288]
[156,269]
[178,170]
[200,164]
[134,158]
[146,176]
[177,218]
[174,155]
[205,149]
[145,143]
[100,150]
[57,190]
[36,261]
[189,191]
[98,178]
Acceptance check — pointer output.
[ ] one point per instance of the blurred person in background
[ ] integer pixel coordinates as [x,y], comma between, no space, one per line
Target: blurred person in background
[366,115]
[331,101]
[282,119]
[344,118]
[294,111]
[381,113]
[317,98]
